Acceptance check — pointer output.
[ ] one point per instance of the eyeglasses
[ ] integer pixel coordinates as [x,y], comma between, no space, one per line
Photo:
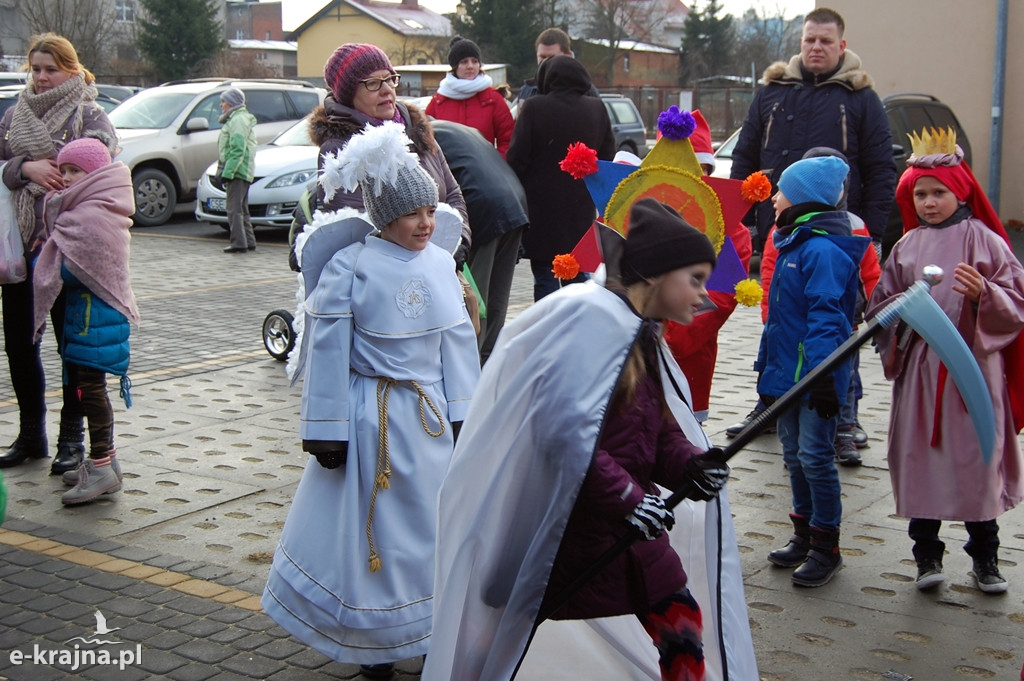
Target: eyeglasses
[374,84]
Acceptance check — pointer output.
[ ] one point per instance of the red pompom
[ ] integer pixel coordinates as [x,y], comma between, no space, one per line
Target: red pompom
[579,161]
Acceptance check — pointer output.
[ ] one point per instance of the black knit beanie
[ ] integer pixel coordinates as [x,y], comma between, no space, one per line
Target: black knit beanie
[659,241]
[460,48]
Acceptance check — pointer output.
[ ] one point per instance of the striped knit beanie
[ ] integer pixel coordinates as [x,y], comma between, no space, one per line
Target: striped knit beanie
[351,63]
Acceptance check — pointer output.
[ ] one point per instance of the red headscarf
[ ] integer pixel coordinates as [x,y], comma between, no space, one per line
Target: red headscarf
[961,182]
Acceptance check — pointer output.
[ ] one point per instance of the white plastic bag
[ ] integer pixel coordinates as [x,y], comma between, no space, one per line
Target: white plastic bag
[13,268]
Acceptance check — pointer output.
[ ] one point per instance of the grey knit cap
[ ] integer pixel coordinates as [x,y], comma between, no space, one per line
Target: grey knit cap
[233,96]
[412,189]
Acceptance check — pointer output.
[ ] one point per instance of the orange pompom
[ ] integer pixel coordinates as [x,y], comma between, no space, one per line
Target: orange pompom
[580,161]
[756,187]
[565,267]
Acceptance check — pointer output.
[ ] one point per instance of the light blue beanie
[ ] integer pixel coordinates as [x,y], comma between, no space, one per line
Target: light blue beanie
[814,180]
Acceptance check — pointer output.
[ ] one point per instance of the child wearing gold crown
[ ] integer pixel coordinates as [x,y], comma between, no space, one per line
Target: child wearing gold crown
[934,459]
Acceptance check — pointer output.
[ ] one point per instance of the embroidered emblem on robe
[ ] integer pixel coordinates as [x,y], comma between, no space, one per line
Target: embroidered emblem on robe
[413,298]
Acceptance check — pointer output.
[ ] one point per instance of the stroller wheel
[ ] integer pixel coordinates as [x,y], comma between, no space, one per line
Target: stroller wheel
[278,334]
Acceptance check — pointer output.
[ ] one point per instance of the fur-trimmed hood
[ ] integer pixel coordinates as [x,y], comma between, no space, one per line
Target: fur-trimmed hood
[850,75]
[333,121]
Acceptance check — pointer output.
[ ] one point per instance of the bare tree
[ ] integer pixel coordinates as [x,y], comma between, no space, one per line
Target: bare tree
[763,37]
[88,24]
[618,21]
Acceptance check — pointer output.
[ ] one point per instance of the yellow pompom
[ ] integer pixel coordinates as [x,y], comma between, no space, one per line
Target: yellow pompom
[749,293]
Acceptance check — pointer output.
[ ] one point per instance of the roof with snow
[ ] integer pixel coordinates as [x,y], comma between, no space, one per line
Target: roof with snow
[406,18]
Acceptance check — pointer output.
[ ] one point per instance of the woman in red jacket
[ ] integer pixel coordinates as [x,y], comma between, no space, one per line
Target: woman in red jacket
[467,96]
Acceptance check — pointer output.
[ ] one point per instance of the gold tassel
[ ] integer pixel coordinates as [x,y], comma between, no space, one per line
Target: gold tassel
[375,563]
[383,482]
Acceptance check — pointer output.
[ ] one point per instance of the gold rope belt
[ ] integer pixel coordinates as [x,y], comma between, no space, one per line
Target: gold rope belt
[382,476]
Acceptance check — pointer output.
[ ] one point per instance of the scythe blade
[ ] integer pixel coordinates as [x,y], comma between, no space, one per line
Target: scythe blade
[923,315]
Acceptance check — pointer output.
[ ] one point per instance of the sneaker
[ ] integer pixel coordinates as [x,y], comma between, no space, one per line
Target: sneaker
[70,478]
[846,452]
[860,438]
[93,481]
[929,573]
[986,576]
[737,428]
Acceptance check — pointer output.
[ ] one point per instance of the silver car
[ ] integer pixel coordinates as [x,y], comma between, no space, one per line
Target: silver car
[168,134]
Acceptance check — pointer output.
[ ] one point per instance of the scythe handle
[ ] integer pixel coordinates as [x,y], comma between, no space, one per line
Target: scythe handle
[884,319]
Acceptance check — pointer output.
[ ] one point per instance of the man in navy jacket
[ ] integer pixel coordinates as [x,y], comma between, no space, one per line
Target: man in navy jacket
[822,97]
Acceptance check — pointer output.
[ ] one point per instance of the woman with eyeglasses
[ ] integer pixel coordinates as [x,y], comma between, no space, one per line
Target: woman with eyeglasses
[364,89]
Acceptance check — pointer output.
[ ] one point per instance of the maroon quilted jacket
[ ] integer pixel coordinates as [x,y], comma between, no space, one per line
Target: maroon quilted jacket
[640,445]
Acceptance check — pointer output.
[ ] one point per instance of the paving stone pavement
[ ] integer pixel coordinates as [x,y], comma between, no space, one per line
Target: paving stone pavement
[177,559]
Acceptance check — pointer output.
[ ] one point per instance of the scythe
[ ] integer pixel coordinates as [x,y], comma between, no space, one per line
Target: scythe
[916,308]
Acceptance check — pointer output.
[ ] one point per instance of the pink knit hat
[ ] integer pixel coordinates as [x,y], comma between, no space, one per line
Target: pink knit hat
[88,153]
[351,63]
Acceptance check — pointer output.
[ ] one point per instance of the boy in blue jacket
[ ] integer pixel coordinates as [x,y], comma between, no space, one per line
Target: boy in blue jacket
[814,293]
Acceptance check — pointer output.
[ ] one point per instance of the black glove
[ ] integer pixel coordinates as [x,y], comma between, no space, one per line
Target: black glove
[460,255]
[823,398]
[328,453]
[651,517]
[708,473]
[767,400]
[456,429]
[217,182]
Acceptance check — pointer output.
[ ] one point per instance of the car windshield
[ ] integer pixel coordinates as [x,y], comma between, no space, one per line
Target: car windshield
[156,110]
[295,136]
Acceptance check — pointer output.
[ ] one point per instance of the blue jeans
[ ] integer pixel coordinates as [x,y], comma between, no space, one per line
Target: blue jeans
[809,454]
[544,282]
[848,409]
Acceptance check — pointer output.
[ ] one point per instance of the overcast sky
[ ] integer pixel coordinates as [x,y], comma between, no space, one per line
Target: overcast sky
[296,11]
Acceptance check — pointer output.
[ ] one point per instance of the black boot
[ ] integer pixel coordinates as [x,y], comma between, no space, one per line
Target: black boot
[70,448]
[26,446]
[823,560]
[795,552]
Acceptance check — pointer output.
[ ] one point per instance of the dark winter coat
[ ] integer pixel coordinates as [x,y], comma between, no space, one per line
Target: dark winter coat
[798,110]
[493,194]
[331,125]
[560,207]
[640,445]
[813,298]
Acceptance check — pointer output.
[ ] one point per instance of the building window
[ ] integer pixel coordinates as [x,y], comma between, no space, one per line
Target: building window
[239,34]
[124,10]
[625,63]
[267,36]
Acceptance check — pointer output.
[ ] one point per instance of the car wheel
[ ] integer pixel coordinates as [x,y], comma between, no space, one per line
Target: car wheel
[628,146]
[278,334]
[155,197]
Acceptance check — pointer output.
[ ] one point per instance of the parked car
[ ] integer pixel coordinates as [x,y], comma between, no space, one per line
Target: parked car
[282,169]
[168,134]
[629,129]
[907,112]
[9,95]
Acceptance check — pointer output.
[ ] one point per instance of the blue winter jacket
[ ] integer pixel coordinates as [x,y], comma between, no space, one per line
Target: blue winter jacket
[813,297]
[796,111]
[95,334]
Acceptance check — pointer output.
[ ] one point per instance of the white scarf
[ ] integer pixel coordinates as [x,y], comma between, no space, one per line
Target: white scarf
[460,88]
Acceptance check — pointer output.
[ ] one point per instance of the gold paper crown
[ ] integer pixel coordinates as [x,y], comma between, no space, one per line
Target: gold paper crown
[933,141]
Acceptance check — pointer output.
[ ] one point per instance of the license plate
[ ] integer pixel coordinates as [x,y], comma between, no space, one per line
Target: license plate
[217,205]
